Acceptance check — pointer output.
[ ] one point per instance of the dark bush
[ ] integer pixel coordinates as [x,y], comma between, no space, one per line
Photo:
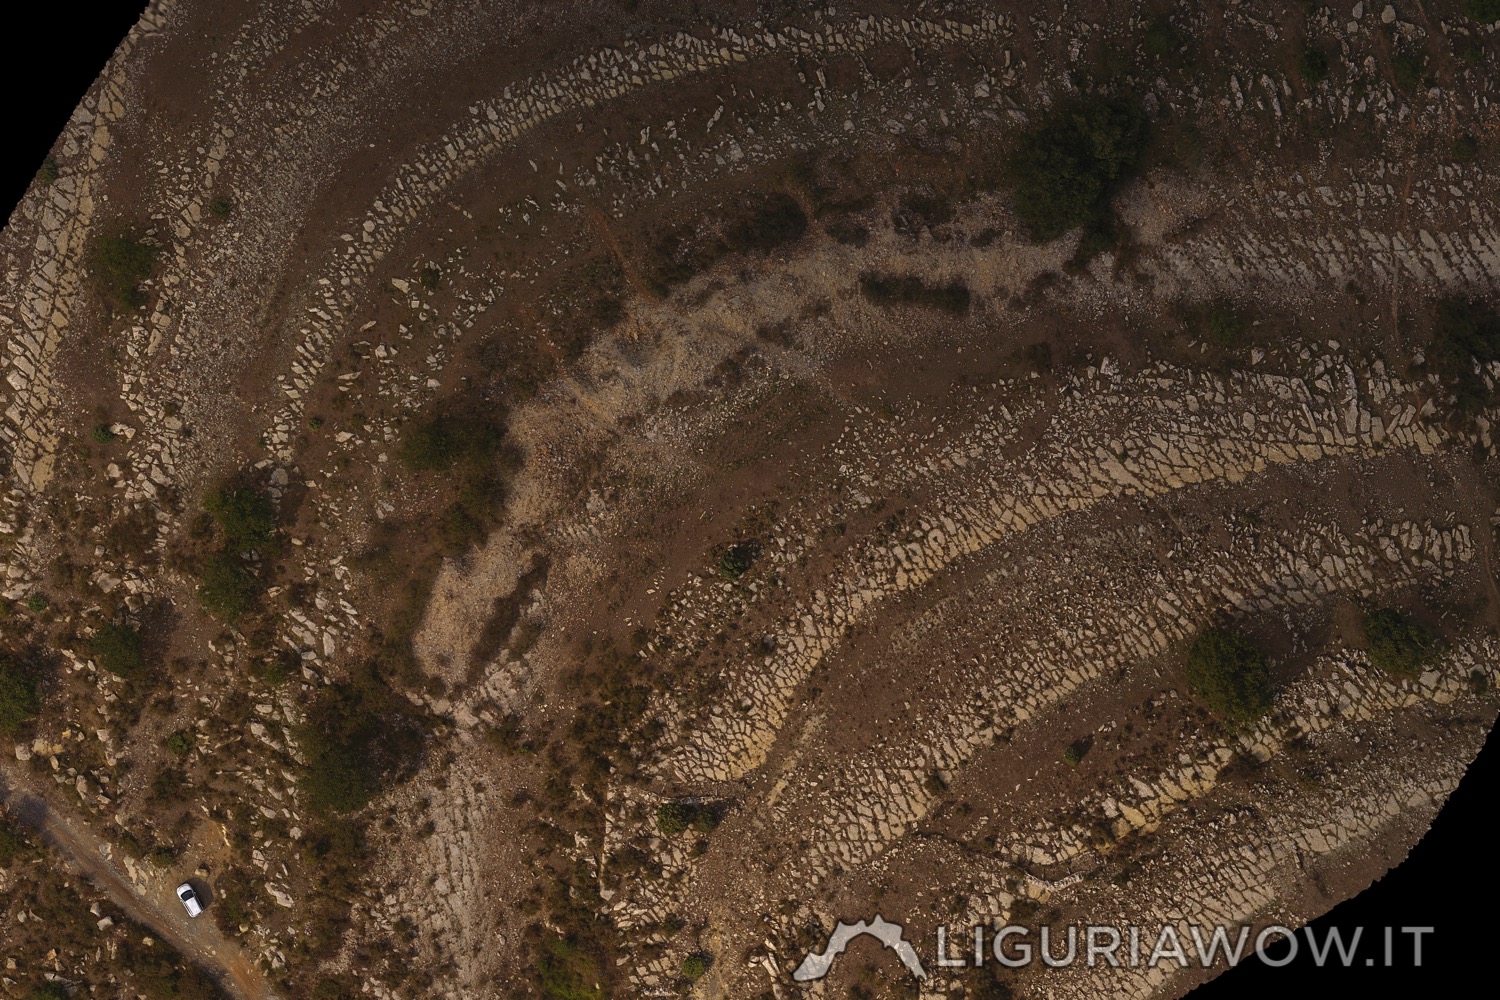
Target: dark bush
[771,221]
[1314,65]
[1396,643]
[226,586]
[356,739]
[735,560]
[447,439]
[1407,67]
[909,289]
[674,818]
[1465,331]
[1162,37]
[570,971]
[246,517]
[1068,165]
[121,263]
[1224,325]
[117,647]
[12,844]
[757,223]
[1483,11]
[19,701]
[1229,674]
[847,231]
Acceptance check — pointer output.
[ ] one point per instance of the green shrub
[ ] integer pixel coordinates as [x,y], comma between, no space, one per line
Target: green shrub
[117,647]
[245,516]
[1229,674]
[1465,331]
[694,967]
[226,586]
[48,173]
[444,440]
[221,208]
[674,818]
[1162,37]
[909,289]
[12,844]
[1407,68]
[1314,65]
[1396,643]
[102,434]
[735,560]
[569,971]
[19,701]
[770,222]
[356,739]
[1483,11]
[37,602]
[180,743]
[1068,165]
[1224,325]
[120,264]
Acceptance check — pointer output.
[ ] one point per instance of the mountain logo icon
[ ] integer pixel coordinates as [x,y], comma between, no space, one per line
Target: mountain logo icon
[816,965]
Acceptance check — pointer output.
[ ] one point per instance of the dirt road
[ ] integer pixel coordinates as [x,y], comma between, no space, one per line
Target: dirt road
[89,855]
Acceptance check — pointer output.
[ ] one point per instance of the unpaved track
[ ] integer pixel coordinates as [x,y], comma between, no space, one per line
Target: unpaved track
[198,940]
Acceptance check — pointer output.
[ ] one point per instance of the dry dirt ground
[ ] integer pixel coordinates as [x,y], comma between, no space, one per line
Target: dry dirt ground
[666,594]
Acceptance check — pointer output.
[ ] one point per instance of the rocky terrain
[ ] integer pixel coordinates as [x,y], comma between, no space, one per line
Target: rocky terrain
[576,500]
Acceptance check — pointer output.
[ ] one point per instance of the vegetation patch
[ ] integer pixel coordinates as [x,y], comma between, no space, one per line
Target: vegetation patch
[1229,674]
[734,561]
[570,971]
[1397,643]
[674,818]
[357,739]
[911,290]
[121,263]
[1069,164]
[12,844]
[1483,11]
[19,700]
[117,648]
[1466,333]
[756,224]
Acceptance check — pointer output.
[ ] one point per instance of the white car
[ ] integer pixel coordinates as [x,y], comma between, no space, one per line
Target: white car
[189,899]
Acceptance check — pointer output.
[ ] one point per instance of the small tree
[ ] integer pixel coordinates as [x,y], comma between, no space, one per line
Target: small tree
[19,702]
[1483,11]
[694,967]
[1229,674]
[226,587]
[117,647]
[245,516]
[12,844]
[673,818]
[1397,644]
[1069,164]
[121,262]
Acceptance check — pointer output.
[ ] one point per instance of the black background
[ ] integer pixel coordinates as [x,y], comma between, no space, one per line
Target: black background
[1449,882]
